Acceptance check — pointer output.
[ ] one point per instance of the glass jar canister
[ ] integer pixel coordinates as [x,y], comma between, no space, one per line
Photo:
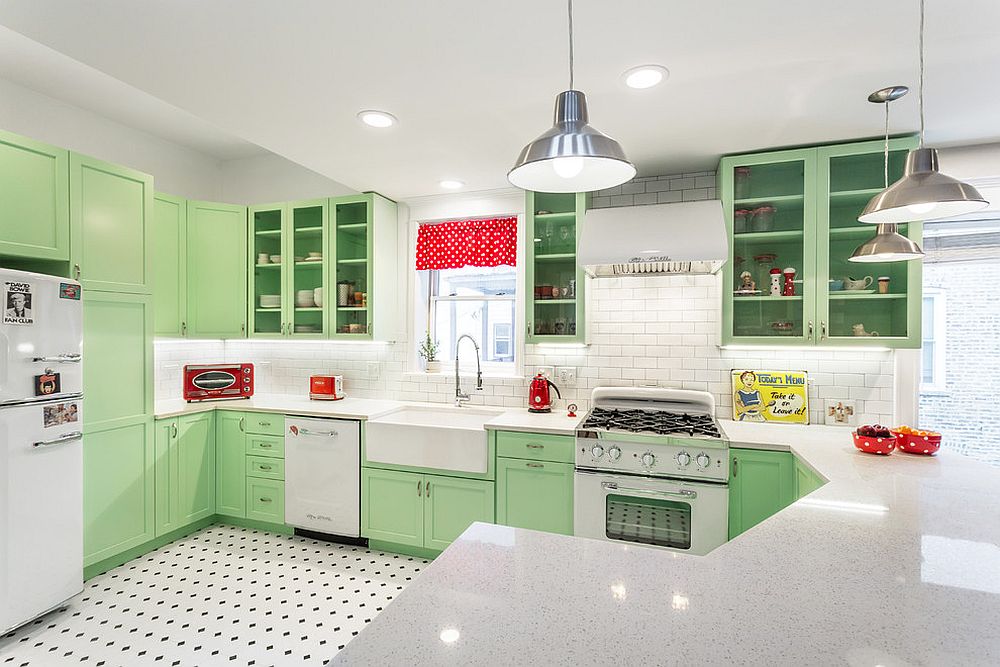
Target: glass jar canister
[741,182]
[764,262]
[741,221]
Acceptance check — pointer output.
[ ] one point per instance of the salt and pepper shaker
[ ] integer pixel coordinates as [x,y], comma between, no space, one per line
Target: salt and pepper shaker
[789,282]
[775,282]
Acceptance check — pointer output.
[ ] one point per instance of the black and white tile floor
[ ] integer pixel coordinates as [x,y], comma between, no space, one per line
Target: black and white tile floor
[222,596]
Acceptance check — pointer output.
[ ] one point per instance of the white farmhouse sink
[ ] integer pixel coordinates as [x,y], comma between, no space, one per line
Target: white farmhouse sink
[445,438]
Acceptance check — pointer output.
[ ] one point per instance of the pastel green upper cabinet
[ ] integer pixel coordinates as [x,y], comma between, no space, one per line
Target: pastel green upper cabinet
[848,177]
[230,463]
[392,506]
[535,494]
[111,210]
[169,265]
[365,298]
[452,505]
[216,270]
[34,189]
[268,305]
[798,209]
[761,483]
[554,299]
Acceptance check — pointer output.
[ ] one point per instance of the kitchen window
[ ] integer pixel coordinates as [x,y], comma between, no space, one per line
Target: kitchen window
[932,367]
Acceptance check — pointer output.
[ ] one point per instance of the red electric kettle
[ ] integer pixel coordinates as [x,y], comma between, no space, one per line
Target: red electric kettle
[539,398]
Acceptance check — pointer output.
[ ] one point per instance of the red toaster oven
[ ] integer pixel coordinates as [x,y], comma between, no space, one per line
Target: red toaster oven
[205,382]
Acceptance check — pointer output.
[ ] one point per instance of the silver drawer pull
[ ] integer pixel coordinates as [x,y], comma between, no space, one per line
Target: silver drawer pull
[325,434]
[532,445]
[264,445]
[613,486]
[263,423]
[419,488]
[265,500]
[69,437]
[261,466]
[61,358]
[534,465]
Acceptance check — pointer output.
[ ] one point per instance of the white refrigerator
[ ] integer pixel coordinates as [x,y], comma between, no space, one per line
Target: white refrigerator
[41,448]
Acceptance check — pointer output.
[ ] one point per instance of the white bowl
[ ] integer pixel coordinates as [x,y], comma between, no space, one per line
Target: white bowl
[275,259]
[318,296]
[315,255]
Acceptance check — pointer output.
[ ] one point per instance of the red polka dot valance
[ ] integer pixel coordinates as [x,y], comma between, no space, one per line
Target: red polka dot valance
[458,243]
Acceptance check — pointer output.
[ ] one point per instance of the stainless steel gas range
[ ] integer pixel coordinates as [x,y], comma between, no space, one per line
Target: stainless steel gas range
[652,468]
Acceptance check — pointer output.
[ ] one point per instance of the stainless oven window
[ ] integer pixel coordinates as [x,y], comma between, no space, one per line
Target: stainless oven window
[662,523]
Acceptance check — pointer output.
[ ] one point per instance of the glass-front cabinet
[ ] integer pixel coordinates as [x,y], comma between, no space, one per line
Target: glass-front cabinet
[555,284]
[792,223]
[267,275]
[352,246]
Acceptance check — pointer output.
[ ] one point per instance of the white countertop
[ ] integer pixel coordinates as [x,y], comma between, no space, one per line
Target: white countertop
[895,561]
[519,419]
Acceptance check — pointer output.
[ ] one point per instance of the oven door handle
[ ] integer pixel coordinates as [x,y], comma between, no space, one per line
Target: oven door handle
[685,493]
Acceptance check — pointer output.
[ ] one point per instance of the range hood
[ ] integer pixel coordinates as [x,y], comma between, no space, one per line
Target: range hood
[661,239]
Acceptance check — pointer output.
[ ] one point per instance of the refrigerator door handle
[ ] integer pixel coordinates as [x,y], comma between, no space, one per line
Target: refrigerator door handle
[69,437]
[61,358]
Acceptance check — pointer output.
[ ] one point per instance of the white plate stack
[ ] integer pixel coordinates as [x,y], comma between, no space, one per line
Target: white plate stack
[304,299]
[270,301]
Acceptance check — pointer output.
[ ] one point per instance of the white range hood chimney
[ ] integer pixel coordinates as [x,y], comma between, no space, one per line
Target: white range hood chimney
[661,239]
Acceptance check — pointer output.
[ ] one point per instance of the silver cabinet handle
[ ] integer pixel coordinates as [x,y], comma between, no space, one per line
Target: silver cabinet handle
[265,500]
[427,489]
[735,467]
[264,445]
[76,271]
[264,424]
[534,465]
[173,430]
[419,487]
[69,437]
[810,329]
[327,434]
[822,330]
[613,486]
[61,358]
[242,421]
[532,445]
[261,466]
[184,328]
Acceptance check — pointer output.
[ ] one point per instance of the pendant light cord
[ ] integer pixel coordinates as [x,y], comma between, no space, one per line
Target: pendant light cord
[885,162]
[570,10]
[920,81]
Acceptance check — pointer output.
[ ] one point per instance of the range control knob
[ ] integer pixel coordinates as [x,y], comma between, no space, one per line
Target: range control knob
[648,459]
[614,453]
[682,458]
[704,460]
[596,451]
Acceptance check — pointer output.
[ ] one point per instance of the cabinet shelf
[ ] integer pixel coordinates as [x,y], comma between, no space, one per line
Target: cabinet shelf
[750,201]
[539,302]
[308,230]
[317,262]
[555,257]
[854,194]
[787,234]
[863,296]
[269,265]
[310,309]
[351,308]
[269,310]
[362,260]
[268,232]
[765,297]
[565,215]
[348,226]
[861,230]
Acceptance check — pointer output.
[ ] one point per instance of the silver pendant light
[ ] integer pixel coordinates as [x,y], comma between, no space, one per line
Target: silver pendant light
[923,193]
[572,156]
[888,245]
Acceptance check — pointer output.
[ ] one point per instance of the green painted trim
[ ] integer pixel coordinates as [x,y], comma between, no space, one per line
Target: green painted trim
[280,529]
[135,552]
[406,550]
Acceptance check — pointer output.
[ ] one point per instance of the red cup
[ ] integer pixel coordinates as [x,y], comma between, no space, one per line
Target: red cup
[872,445]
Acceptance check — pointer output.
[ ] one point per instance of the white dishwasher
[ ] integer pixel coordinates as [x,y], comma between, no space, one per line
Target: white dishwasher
[323,475]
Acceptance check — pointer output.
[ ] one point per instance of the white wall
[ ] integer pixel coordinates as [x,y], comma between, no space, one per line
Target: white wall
[269,178]
[175,169]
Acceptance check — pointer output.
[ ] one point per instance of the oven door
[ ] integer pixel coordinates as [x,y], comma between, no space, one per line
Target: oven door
[683,516]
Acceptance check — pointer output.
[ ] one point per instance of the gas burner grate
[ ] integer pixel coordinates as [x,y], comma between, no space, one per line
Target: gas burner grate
[660,422]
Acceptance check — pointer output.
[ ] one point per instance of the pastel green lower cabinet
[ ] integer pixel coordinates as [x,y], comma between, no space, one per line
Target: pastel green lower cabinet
[535,494]
[266,500]
[230,464]
[185,471]
[452,505]
[392,506]
[425,511]
[806,480]
[761,483]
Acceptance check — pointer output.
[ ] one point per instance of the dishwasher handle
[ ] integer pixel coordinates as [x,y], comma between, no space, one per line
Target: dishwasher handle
[322,434]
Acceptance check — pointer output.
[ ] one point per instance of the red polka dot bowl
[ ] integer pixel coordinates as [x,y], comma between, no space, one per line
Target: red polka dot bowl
[872,445]
[911,443]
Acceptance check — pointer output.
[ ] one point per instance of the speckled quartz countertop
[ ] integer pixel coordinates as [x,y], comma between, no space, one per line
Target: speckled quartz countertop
[895,561]
[555,422]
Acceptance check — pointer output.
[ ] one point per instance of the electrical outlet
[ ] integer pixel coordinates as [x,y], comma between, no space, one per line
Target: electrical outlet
[547,371]
[566,376]
[373,370]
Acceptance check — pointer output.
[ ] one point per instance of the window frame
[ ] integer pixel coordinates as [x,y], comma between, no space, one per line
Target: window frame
[938,383]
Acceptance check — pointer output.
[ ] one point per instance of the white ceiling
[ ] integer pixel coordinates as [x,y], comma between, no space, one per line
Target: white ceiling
[471,82]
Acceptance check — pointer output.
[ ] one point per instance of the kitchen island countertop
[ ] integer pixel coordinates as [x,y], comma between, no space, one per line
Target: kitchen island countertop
[895,561]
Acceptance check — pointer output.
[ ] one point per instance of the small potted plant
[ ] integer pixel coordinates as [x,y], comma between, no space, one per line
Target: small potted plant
[428,351]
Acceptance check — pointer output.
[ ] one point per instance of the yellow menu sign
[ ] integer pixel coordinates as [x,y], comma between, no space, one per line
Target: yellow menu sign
[771,396]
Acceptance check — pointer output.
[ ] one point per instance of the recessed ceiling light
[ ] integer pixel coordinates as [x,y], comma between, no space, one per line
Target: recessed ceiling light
[645,76]
[377,118]
[450,184]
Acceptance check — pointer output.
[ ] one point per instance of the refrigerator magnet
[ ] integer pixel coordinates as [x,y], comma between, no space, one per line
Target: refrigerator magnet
[47,384]
[17,304]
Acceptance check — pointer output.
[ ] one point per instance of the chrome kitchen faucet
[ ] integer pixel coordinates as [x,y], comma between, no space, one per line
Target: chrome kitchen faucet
[461,397]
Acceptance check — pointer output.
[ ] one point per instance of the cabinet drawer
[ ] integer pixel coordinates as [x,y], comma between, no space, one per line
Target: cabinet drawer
[266,500]
[267,467]
[263,423]
[535,446]
[266,445]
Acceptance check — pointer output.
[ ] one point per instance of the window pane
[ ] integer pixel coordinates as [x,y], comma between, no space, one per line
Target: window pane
[927,323]
[927,363]
[476,281]
[490,323]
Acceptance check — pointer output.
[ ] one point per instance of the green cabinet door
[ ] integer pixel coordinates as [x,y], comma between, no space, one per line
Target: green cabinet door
[195,453]
[111,209]
[392,506]
[165,476]
[34,189]
[806,481]
[535,494]
[169,265]
[451,505]
[761,483]
[230,464]
[216,270]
